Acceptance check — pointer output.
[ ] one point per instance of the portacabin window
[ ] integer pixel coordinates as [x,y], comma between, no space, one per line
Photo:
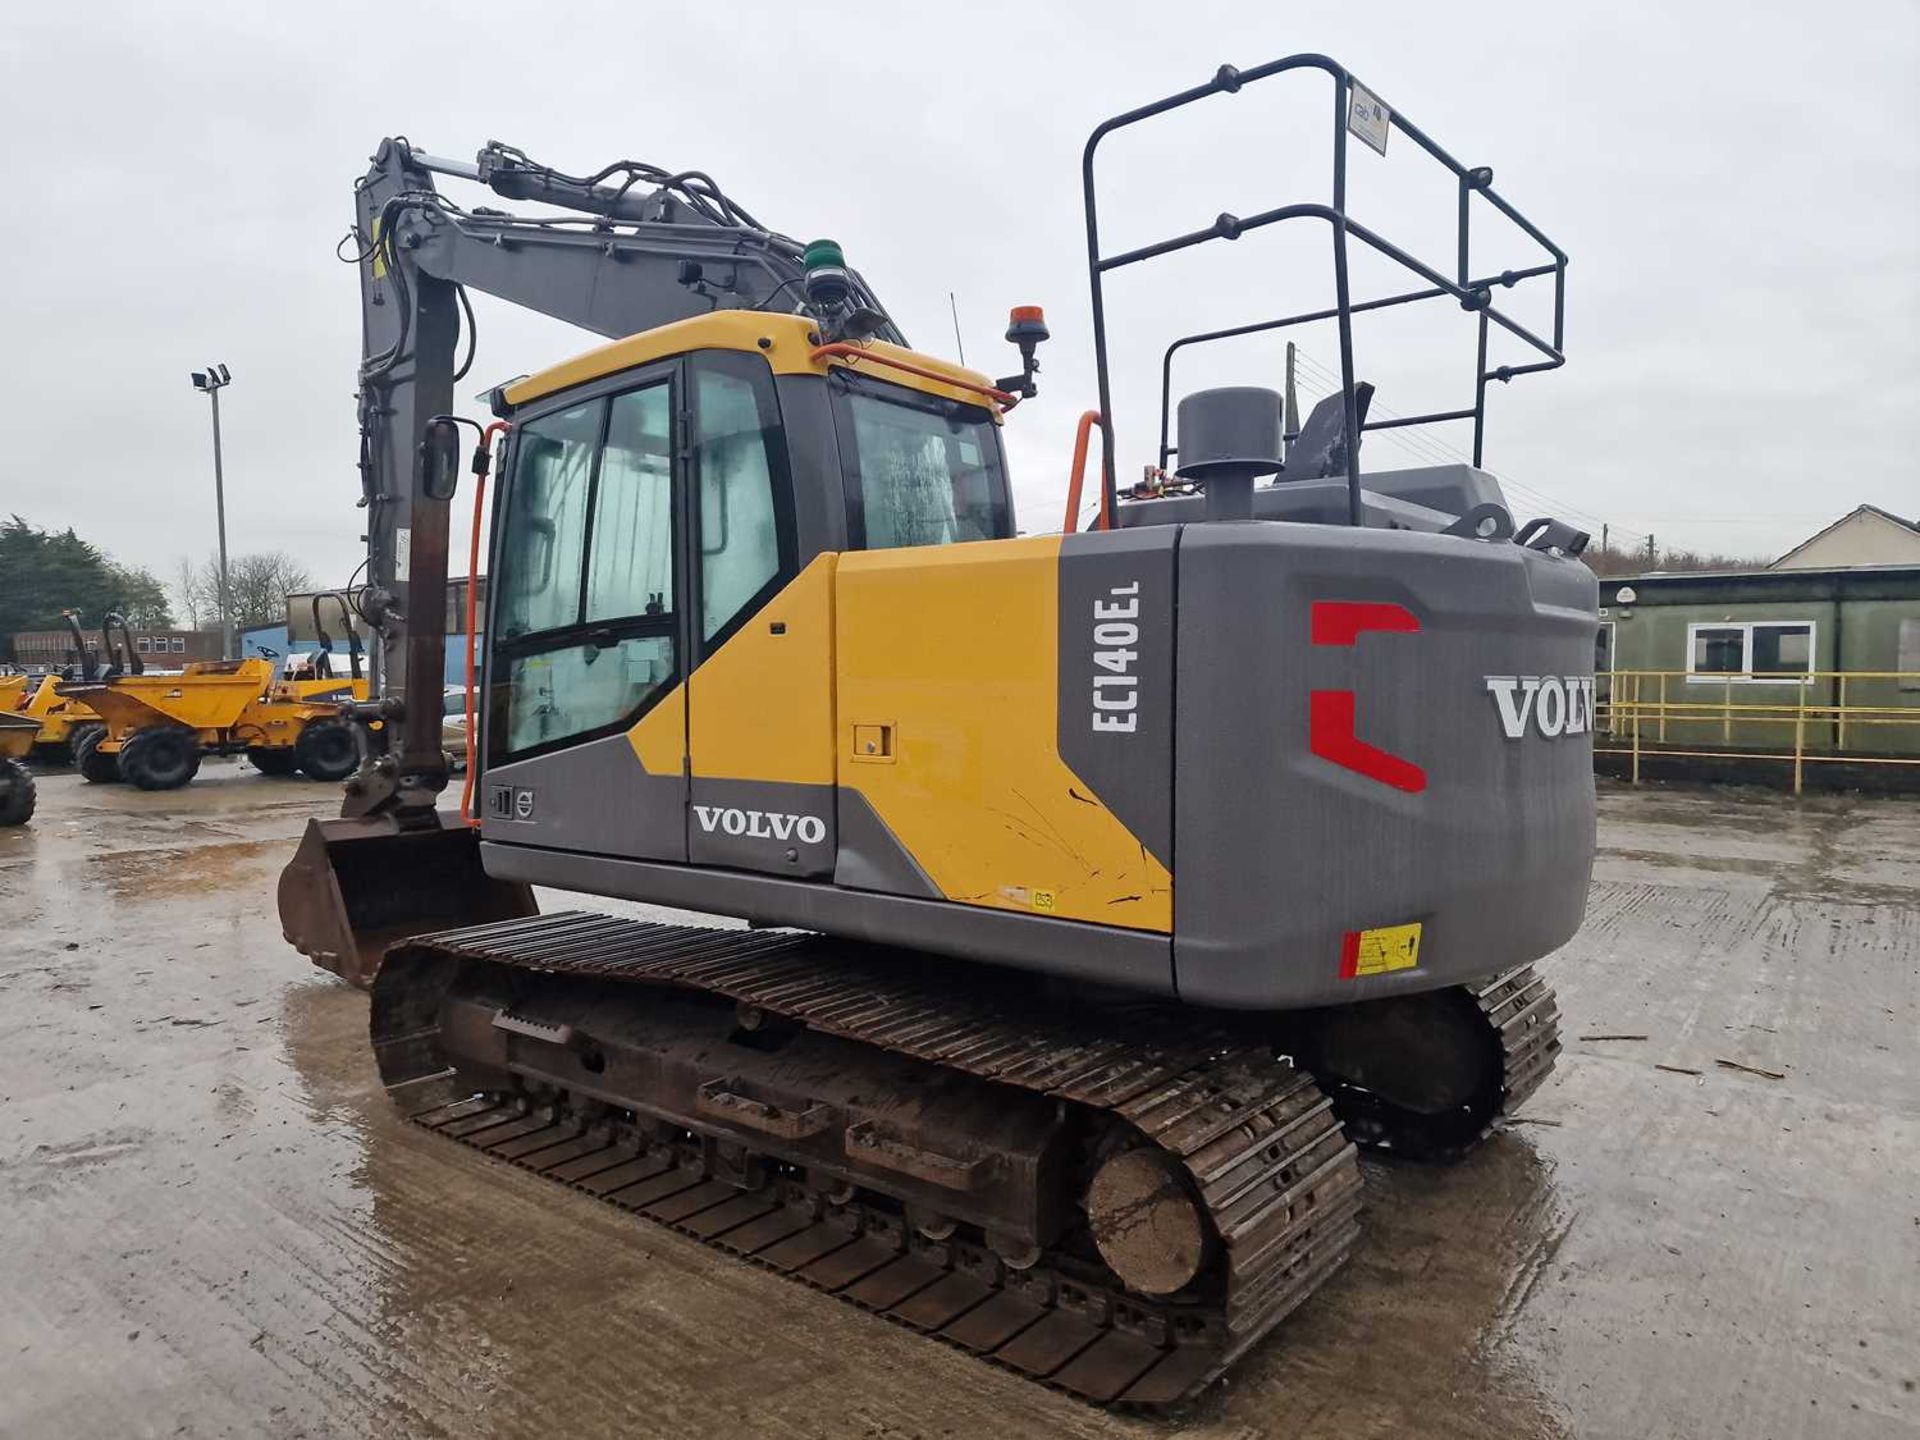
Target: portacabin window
[1751,652]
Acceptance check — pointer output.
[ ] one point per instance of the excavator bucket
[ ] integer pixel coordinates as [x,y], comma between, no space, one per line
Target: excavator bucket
[357,886]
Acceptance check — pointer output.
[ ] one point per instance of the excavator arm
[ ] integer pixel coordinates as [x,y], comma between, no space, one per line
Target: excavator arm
[626,249]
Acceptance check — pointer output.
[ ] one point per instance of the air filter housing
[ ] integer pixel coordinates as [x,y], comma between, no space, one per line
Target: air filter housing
[1228,438]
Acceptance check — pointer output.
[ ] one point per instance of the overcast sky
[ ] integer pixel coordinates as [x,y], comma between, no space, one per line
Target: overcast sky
[1736,184]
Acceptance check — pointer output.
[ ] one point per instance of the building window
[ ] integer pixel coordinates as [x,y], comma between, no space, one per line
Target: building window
[140,643]
[179,644]
[1753,652]
[1718,649]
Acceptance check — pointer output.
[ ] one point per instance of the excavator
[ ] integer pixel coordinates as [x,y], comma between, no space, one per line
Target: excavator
[1104,892]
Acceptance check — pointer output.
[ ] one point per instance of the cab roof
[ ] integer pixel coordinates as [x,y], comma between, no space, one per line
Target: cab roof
[788,342]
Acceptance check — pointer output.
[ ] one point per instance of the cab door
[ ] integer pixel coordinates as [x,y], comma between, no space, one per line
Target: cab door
[585,729]
[760,703]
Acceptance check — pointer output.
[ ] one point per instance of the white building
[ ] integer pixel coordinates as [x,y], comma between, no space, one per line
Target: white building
[1866,536]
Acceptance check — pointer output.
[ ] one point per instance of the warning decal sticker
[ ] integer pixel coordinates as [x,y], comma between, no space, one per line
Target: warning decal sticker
[1379,952]
[1369,118]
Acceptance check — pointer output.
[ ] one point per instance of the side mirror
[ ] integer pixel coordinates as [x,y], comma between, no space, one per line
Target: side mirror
[437,463]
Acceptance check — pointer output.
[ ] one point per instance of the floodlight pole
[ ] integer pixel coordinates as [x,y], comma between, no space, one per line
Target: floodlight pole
[212,381]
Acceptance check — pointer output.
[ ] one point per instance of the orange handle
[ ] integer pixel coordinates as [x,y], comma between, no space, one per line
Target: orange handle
[1081,436]
[844,351]
[473,611]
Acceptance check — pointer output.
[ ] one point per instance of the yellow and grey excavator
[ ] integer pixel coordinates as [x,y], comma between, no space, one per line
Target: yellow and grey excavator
[1106,889]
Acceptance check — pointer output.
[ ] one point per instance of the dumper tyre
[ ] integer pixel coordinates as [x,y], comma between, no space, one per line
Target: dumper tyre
[94,765]
[163,758]
[327,749]
[16,792]
[272,760]
[68,752]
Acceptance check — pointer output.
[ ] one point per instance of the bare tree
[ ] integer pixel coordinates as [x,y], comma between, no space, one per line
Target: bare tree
[260,583]
[190,590]
[205,582]
[1643,560]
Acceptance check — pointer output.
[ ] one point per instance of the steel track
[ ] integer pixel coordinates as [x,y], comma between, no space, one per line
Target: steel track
[1252,1136]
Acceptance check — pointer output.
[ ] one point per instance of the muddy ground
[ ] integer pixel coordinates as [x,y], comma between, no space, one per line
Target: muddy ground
[211,1224]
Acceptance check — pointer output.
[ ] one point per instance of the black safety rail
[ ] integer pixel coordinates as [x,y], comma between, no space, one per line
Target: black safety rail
[1474,294]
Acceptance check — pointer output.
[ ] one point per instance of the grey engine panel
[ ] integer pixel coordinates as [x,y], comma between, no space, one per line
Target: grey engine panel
[1281,852]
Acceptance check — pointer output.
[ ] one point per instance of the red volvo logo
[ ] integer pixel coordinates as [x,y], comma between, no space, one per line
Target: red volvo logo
[1332,719]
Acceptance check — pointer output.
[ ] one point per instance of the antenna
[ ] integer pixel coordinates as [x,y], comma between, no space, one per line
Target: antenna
[958,343]
[1290,415]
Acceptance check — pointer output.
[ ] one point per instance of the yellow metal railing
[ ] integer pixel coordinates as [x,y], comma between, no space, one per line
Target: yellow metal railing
[1669,709]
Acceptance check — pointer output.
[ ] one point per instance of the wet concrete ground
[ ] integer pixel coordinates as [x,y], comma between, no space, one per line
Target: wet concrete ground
[211,1224]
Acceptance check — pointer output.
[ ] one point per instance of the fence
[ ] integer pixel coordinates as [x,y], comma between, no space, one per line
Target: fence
[1676,714]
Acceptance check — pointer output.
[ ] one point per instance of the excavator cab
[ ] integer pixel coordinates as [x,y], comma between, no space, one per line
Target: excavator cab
[658,496]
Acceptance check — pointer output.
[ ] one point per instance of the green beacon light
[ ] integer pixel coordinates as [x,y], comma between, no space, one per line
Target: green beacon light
[827,283]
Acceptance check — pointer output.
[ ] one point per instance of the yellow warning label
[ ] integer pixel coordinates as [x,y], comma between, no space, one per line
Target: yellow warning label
[1043,900]
[1381,951]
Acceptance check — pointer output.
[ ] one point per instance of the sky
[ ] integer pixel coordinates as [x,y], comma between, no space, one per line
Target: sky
[1736,184]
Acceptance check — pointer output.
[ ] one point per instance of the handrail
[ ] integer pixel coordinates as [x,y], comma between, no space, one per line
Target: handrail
[1473,294]
[1767,677]
[1623,710]
[497,427]
[1082,434]
[843,350]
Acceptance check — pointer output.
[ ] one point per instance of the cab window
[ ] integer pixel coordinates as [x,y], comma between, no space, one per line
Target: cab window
[739,467]
[630,571]
[921,470]
[585,610]
[546,521]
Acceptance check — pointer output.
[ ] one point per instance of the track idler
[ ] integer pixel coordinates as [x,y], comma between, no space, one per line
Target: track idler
[1427,1075]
